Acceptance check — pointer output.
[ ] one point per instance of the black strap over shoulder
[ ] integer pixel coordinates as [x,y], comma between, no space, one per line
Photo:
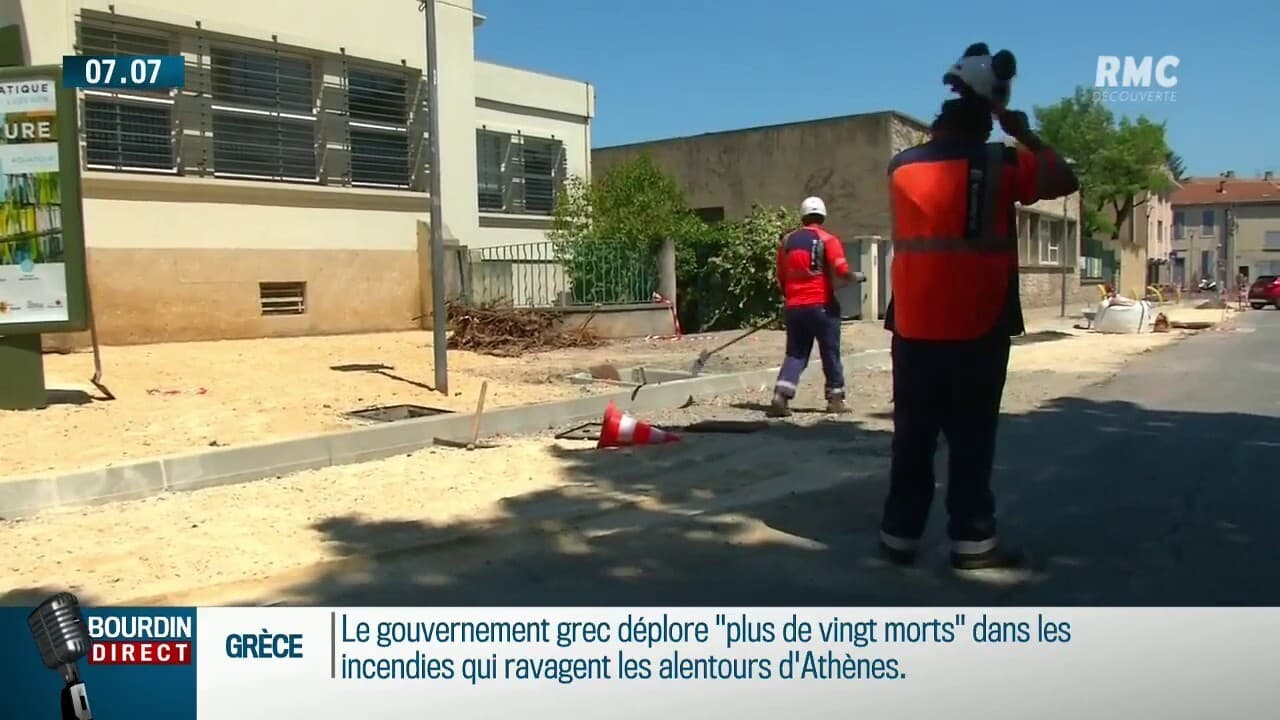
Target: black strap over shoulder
[976,188]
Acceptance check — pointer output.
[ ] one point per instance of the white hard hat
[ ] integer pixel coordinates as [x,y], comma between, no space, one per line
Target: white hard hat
[813,206]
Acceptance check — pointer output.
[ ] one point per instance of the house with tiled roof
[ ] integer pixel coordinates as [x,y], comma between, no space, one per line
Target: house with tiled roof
[1139,255]
[1224,226]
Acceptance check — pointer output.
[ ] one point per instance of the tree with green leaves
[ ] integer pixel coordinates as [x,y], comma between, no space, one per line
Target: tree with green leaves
[633,202]
[607,234]
[1118,161]
[1177,168]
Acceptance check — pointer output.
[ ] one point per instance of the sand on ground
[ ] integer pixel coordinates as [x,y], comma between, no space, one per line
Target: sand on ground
[1196,315]
[181,398]
[234,534]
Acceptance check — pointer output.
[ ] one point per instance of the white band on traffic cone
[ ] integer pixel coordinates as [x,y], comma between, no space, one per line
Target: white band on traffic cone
[626,429]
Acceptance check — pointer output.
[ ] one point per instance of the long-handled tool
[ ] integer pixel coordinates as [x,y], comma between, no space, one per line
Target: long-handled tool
[474,443]
[475,422]
[96,380]
[701,363]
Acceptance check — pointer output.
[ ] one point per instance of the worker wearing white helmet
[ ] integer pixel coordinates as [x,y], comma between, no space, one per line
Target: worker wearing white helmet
[811,263]
[954,203]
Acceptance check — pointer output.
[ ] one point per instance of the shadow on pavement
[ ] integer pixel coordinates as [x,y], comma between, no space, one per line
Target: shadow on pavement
[1039,337]
[764,407]
[58,396]
[30,597]
[382,370]
[1119,505]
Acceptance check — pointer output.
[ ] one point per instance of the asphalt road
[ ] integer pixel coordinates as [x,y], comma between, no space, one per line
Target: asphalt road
[1159,487]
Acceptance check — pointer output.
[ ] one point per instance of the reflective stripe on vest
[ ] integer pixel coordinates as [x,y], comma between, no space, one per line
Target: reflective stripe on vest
[818,262]
[952,286]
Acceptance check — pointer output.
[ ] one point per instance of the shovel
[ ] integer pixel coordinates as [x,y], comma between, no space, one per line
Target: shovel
[701,363]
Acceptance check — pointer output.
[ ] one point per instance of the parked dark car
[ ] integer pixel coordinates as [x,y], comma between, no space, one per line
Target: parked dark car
[1265,291]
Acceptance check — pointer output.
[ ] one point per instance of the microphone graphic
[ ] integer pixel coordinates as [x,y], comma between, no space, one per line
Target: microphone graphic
[62,639]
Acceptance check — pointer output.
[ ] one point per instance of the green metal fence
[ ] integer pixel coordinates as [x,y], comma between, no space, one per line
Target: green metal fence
[1097,263]
[547,273]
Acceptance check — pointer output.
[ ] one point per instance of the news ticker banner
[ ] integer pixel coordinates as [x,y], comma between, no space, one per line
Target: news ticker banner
[319,663]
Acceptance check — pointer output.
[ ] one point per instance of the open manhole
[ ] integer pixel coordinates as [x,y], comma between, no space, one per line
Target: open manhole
[585,431]
[395,413]
[630,376]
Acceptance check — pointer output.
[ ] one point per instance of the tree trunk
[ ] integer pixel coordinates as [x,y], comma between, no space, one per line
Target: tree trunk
[1123,211]
[1133,270]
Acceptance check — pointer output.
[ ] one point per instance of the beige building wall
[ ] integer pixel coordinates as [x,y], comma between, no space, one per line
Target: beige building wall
[1248,247]
[1254,225]
[182,258]
[843,160]
[1158,237]
[512,100]
[1145,244]
[1049,254]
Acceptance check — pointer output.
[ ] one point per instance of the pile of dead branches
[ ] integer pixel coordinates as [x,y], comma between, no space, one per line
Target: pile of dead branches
[501,330]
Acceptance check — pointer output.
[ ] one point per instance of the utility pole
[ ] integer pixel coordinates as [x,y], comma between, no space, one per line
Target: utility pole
[439,312]
[1227,256]
[1193,261]
[1067,243]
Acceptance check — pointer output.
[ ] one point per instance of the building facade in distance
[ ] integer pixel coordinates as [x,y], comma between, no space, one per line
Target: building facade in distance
[280,192]
[844,160]
[1225,226]
[1140,254]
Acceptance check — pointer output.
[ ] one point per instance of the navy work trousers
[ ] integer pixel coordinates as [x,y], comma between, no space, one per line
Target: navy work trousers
[805,325]
[953,388]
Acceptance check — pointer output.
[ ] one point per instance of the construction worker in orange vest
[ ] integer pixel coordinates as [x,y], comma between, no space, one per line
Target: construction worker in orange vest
[811,264]
[954,203]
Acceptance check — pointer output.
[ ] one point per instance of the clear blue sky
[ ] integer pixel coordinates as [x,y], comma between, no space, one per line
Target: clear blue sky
[665,68]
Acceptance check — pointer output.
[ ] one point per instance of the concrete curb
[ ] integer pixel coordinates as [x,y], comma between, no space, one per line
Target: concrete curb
[26,496]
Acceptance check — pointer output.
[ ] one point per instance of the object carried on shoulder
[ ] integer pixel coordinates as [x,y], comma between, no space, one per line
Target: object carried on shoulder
[980,73]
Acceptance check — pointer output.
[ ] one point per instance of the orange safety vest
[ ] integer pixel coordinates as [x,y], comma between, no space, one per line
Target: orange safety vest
[807,258]
[954,237]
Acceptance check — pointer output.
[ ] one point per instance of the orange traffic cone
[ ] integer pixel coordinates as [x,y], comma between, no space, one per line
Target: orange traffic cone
[620,430]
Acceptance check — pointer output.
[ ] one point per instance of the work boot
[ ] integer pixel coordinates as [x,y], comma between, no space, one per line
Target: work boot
[779,407]
[998,558]
[901,558]
[836,404]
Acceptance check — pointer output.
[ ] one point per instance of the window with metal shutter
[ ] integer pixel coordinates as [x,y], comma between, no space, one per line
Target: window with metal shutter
[127,131]
[255,109]
[518,174]
[378,111]
[263,115]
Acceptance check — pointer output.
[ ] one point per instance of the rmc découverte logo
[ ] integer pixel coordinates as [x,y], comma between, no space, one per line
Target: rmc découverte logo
[1130,79]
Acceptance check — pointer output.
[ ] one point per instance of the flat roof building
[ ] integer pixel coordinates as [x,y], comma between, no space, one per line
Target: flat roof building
[280,192]
[845,160]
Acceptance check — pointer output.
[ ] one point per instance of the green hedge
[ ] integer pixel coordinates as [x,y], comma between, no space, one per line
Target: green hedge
[608,235]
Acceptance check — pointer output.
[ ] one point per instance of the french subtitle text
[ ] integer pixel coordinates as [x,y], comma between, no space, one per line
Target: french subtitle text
[700,646]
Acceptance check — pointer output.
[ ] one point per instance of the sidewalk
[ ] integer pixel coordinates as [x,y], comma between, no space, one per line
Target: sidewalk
[1131,493]
[534,502]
